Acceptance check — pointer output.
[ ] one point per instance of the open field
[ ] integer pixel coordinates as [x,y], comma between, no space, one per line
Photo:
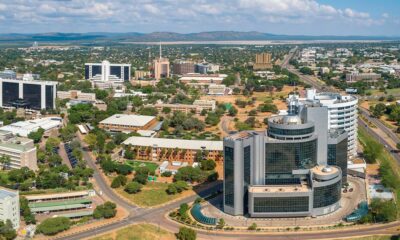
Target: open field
[141,231]
[136,164]
[372,238]
[152,194]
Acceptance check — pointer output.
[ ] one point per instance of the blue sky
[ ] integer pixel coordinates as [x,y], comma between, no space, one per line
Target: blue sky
[293,17]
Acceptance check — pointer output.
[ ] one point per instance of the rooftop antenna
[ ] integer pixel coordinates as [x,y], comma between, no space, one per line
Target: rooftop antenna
[160,51]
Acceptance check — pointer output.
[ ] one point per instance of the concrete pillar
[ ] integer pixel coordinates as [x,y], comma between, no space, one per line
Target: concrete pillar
[21,90]
[43,96]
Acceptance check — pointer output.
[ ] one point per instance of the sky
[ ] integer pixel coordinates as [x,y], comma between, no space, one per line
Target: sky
[292,17]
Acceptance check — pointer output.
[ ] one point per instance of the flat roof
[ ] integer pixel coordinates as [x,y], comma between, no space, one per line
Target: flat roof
[23,128]
[175,143]
[56,195]
[59,203]
[77,214]
[58,208]
[280,188]
[7,193]
[128,119]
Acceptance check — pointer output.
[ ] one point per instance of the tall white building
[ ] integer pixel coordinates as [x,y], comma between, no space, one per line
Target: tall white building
[342,114]
[107,72]
[9,206]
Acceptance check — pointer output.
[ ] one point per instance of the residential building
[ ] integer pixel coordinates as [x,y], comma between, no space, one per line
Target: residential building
[9,206]
[356,76]
[8,74]
[342,113]
[23,128]
[181,67]
[107,72]
[293,169]
[127,123]
[201,80]
[196,107]
[263,61]
[157,149]
[76,94]
[139,74]
[30,94]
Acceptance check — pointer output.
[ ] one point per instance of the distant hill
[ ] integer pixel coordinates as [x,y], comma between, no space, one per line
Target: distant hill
[172,36]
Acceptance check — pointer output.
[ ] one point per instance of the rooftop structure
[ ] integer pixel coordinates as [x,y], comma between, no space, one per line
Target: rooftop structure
[23,128]
[9,206]
[127,122]
[174,143]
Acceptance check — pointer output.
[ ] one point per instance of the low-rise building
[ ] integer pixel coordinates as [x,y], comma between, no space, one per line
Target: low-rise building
[23,128]
[196,107]
[218,89]
[76,94]
[9,206]
[157,149]
[356,76]
[202,79]
[127,123]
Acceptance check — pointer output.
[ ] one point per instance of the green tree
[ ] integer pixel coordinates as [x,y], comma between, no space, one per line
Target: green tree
[5,161]
[208,165]
[221,223]
[119,181]
[52,226]
[106,210]
[7,231]
[133,187]
[36,136]
[186,233]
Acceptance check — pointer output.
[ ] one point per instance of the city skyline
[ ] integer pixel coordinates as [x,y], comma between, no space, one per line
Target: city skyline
[291,17]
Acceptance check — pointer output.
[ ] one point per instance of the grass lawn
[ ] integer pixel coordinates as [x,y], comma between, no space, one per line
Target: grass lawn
[136,164]
[152,194]
[138,232]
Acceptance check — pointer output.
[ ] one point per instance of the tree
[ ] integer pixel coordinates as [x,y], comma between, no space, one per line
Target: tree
[123,169]
[119,181]
[7,231]
[52,226]
[189,174]
[221,223]
[372,150]
[148,111]
[166,110]
[5,161]
[183,208]
[133,187]
[172,189]
[36,136]
[186,233]
[233,111]
[378,110]
[306,70]
[253,226]
[29,218]
[106,210]
[207,165]
[141,178]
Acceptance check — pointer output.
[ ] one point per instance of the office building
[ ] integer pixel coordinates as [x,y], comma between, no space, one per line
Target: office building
[127,123]
[181,67]
[9,206]
[285,171]
[263,61]
[201,80]
[218,90]
[8,74]
[139,74]
[20,150]
[23,128]
[30,94]
[157,149]
[77,95]
[356,76]
[205,68]
[107,72]
[197,107]
[161,67]
[342,115]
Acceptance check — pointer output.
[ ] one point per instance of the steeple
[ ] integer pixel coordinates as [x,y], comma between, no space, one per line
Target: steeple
[160,51]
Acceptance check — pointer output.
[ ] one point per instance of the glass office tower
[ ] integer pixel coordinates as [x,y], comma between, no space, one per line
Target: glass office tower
[294,168]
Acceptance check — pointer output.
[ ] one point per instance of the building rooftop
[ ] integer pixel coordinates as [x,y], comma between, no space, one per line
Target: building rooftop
[23,128]
[128,119]
[175,143]
[4,193]
[303,187]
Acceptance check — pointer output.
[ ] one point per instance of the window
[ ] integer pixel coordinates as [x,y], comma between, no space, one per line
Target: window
[229,176]
[327,195]
[337,156]
[280,204]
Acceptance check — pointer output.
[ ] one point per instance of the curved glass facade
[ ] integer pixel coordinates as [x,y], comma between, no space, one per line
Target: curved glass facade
[285,157]
[327,195]
[290,132]
[229,176]
[280,204]
[337,156]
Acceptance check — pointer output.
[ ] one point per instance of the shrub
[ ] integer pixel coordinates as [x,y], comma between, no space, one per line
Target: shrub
[52,226]
[123,169]
[207,165]
[133,187]
[140,178]
[119,181]
[106,210]
[166,174]
[253,226]
[186,233]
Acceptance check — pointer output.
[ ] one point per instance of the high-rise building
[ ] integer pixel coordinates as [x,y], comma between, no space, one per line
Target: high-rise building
[161,67]
[30,94]
[263,61]
[9,206]
[107,72]
[183,67]
[292,169]
[342,115]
